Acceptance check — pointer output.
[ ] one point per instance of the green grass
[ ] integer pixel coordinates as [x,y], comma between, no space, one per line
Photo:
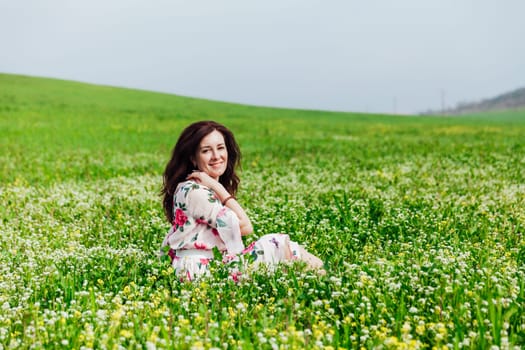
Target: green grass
[419,220]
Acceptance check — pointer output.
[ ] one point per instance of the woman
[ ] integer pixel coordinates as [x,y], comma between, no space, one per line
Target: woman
[199,190]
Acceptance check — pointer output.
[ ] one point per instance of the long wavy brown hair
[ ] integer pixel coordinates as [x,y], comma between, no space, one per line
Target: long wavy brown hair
[180,164]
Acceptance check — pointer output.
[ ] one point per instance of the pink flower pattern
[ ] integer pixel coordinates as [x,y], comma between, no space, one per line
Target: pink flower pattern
[180,218]
[198,245]
[201,221]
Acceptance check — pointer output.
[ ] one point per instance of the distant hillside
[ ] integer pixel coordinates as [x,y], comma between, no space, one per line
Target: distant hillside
[508,101]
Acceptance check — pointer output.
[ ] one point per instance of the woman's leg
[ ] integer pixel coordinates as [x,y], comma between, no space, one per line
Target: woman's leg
[311,260]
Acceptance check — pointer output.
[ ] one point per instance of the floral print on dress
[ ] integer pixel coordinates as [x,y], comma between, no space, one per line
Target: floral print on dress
[201,222]
[201,246]
[180,219]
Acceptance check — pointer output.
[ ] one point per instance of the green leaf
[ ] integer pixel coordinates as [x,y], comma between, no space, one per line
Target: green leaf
[217,254]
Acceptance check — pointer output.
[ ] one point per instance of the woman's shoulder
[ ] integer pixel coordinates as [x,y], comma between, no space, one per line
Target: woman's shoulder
[186,185]
[195,194]
[190,186]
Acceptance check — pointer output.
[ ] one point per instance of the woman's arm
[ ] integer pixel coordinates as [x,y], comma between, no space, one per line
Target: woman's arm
[221,193]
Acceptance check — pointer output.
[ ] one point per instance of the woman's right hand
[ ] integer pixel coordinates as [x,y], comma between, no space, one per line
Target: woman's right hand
[202,178]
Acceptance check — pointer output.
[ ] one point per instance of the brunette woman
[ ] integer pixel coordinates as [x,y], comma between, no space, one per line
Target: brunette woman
[200,184]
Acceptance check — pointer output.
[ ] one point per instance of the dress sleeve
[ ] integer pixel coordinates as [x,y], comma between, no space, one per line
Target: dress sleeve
[203,205]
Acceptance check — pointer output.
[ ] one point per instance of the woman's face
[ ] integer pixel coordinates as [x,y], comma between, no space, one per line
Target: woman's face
[212,155]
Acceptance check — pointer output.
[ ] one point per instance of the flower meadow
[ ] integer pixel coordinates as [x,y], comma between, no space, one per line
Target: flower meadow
[419,221]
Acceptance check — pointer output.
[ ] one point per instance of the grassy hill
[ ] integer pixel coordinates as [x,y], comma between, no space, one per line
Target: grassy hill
[419,221]
[89,125]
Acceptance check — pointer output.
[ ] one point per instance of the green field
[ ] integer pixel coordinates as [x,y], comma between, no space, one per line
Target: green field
[420,222]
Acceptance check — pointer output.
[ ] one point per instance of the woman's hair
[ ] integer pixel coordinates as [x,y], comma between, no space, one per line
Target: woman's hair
[180,165]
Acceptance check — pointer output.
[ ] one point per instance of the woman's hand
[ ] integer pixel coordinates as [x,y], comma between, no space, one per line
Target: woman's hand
[204,179]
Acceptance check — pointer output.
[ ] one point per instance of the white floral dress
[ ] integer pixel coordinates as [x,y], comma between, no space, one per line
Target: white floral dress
[202,223]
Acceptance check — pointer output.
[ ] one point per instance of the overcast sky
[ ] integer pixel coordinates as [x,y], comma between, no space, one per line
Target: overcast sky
[401,56]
